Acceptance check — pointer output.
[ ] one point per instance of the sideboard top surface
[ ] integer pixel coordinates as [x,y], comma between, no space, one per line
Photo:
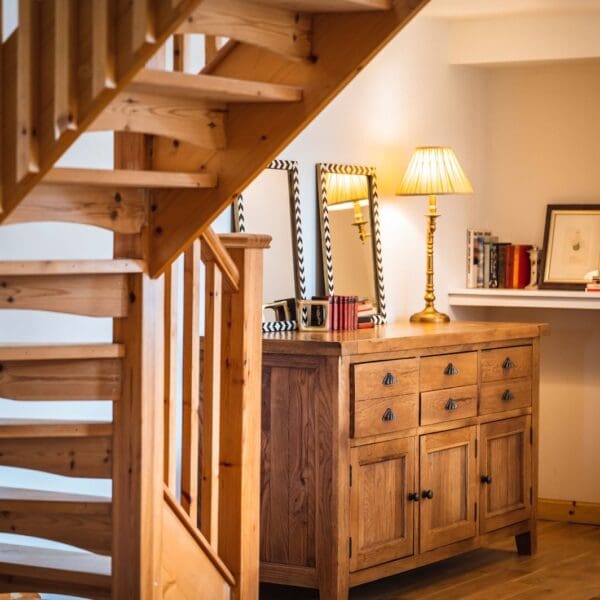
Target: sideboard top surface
[397,337]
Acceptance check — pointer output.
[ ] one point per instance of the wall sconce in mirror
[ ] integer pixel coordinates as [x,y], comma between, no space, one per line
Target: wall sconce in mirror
[271,205]
[350,235]
[349,192]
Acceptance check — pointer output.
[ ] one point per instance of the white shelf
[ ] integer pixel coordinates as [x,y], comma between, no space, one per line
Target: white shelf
[525,298]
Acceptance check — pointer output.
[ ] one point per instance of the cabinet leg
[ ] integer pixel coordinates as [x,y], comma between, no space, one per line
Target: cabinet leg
[525,543]
[334,587]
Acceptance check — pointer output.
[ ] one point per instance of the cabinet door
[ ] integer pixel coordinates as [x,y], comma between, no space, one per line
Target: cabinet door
[448,487]
[505,466]
[381,514]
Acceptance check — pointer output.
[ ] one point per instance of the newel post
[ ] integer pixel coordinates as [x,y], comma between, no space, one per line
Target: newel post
[137,445]
[241,374]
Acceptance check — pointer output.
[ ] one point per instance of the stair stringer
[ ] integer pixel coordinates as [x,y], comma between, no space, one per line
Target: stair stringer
[183,545]
[139,32]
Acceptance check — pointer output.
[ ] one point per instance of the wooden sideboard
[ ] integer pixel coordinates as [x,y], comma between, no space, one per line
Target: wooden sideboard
[390,448]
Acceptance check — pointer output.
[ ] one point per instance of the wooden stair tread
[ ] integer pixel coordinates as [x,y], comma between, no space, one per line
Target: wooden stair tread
[210,87]
[322,6]
[71,267]
[38,428]
[10,494]
[129,178]
[77,519]
[46,562]
[24,352]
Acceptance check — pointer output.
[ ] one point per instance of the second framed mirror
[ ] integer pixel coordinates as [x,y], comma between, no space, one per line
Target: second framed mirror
[271,205]
[350,235]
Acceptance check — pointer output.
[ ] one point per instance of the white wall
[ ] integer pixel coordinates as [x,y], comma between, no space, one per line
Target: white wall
[524,38]
[542,148]
[407,96]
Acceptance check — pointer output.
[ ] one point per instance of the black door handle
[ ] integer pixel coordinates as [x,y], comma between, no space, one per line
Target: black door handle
[427,494]
[486,479]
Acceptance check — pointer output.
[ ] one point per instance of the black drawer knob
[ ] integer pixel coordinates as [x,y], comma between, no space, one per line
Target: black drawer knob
[508,364]
[451,405]
[388,415]
[428,494]
[507,396]
[486,479]
[450,370]
[413,496]
[389,379]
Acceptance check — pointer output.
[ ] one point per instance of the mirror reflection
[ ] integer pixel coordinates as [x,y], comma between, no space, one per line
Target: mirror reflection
[351,244]
[268,205]
[349,233]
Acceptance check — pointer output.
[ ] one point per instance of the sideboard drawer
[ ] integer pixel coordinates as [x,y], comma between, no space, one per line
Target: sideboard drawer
[448,405]
[504,395]
[506,363]
[448,370]
[386,378]
[385,415]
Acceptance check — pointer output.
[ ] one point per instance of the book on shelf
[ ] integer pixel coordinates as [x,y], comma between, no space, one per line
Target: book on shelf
[593,287]
[475,238]
[343,312]
[495,264]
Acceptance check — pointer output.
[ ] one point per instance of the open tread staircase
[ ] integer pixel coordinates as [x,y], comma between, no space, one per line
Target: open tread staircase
[76,519]
[185,145]
[129,179]
[207,87]
[54,571]
[63,448]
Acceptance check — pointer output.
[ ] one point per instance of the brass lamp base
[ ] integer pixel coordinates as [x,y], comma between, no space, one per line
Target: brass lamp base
[429,315]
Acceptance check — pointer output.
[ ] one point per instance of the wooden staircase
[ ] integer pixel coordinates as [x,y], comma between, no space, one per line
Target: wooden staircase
[185,145]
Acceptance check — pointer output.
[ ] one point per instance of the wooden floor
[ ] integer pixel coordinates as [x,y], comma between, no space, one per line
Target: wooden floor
[566,566]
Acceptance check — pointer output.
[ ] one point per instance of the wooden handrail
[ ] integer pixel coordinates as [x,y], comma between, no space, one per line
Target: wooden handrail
[213,249]
[245,240]
[197,535]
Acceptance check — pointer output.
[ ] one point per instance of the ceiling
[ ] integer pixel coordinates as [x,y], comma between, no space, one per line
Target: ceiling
[461,9]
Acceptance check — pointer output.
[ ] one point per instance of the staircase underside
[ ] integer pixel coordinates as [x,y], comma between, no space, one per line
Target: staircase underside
[185,146]
[214,132]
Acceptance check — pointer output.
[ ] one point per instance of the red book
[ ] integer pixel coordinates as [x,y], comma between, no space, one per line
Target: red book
[521,266]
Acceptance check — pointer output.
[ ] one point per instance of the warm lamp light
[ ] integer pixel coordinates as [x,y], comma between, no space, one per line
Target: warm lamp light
[432,170]
[349,191]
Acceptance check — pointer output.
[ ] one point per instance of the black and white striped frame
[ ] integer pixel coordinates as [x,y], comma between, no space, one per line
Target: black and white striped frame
[328,274]
[291,166]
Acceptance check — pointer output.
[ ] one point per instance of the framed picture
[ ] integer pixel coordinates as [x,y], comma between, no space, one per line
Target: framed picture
[572,246]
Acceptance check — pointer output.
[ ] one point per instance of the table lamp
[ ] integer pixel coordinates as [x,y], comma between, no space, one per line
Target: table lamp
[432,170]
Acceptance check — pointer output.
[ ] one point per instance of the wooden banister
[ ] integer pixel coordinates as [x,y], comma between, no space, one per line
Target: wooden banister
[213,250]
[191,375]
[211,409]
[171,353]
[225,429]
[239,476]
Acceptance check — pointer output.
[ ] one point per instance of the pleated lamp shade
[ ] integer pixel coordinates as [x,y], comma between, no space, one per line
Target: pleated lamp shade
[342,187]
[434,170]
